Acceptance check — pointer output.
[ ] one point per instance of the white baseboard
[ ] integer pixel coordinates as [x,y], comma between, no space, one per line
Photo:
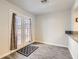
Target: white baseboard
[53,44]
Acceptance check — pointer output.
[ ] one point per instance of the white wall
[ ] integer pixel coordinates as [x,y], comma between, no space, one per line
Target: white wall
[75,15]
[5,24]
[74,11]
[50,28]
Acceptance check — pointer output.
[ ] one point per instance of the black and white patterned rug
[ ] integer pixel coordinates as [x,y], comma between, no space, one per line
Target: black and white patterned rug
[26,51]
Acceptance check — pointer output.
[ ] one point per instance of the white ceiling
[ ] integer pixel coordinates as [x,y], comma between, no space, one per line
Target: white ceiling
[36,7]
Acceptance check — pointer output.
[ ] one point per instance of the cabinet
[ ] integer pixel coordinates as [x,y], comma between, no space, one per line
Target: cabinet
[73,47]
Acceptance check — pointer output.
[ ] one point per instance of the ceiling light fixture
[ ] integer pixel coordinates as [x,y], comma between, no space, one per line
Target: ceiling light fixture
[43,1]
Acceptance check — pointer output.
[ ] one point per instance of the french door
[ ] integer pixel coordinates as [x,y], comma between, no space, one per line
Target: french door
[20,31]
[23,30]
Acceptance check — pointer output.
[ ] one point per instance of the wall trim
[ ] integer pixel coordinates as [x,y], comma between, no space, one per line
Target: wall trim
[52,44]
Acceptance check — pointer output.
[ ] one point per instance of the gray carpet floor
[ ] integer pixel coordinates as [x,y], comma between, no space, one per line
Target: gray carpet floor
[44,52]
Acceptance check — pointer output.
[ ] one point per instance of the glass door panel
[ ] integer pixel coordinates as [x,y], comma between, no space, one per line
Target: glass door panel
[27,29]
[18,30]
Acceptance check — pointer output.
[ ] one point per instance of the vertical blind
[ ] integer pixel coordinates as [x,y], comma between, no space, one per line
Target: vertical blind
[20,31]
